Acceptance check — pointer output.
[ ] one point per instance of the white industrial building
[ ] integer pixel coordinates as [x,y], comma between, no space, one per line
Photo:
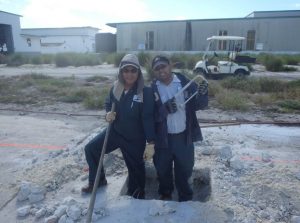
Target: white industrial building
[44,40]
[59,40]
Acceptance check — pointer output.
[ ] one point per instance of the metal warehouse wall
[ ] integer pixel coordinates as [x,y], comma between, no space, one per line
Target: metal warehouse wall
[276,34]
[167,35]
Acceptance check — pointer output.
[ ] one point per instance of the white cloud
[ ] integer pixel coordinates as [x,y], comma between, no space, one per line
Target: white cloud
[96,13]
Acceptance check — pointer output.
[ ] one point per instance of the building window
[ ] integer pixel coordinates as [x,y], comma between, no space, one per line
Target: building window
[28,42]
[222,44]
[149,40]
[250,40]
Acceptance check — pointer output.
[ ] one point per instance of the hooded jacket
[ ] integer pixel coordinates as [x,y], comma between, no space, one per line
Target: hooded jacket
[135,109]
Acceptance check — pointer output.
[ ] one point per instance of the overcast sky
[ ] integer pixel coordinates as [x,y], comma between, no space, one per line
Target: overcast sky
[96,13]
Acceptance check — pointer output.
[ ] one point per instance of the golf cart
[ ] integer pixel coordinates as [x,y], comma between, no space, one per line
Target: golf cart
[229,66]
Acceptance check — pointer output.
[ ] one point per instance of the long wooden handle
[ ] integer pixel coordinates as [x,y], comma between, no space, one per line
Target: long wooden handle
[96,183]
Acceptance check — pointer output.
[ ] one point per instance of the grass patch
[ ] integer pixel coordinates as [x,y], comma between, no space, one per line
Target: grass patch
[262,100]
[75,95]
[36,88]
[96,101]
[250,85]
[236,93]
[96,79]
[232,100]
[290,105]
[277,62]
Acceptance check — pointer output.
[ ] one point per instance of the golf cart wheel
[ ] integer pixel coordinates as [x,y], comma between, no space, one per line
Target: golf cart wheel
[240,73]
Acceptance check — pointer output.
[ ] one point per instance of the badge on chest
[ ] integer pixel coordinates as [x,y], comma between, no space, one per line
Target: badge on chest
[137,98]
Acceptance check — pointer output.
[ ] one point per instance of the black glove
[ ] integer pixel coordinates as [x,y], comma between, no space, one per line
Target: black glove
[171,106]
[203,87]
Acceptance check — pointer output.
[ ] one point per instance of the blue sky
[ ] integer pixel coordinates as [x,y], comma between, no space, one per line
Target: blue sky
[96,13]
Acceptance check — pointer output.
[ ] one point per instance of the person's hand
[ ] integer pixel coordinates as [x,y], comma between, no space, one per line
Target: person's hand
[203,87]
[110,116]
[149,151]
[171,106]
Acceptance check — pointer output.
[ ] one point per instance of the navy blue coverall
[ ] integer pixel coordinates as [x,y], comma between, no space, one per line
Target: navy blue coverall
[177,148]
[133,125]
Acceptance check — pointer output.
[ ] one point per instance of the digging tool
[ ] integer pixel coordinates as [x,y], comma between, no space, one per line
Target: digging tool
[187,85]
[95,187]
[117,92]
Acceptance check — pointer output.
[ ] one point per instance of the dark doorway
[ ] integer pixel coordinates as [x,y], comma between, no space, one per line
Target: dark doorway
[6,39]
[188,36]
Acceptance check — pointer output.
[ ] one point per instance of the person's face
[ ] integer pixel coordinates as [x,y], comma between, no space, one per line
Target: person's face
[163,73]
[130,75]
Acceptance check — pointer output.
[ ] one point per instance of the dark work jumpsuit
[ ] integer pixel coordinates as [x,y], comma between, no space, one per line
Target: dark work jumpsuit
[177,149]
[134,124]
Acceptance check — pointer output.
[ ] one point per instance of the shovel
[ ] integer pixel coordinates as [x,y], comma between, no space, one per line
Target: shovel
[95,187]
[117,91]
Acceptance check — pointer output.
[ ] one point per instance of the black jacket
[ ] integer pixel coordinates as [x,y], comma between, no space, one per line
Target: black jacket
[193,131]
[134,118]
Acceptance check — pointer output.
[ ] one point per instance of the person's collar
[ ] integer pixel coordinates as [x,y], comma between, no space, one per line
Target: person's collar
[176,79]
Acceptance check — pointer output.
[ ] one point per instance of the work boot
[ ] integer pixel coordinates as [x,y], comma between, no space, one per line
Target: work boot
[165,197]
[89,188]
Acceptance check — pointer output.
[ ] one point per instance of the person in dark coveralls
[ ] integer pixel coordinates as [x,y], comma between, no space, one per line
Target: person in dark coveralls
[176,128]
[132,126]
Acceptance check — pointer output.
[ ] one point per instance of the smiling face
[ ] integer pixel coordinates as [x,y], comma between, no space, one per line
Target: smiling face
[163,73]
[130,75]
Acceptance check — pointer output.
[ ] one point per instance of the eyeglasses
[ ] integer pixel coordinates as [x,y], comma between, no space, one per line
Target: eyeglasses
[162,66]
[132,70]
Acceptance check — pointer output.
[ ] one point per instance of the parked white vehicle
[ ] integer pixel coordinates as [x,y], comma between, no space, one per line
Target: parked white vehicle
[223,67]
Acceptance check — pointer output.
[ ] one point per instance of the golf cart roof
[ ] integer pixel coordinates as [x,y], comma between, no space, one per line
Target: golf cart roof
[225,38]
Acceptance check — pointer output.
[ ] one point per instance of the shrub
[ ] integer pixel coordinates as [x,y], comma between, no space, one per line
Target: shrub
[273,64]
[37,60]
[48,58]
[245,84]
[232,100]
[214,88]
[290,59]
[76,59]
[144,58]
[97,79]
[63,60]
[262,99]
[108,58]
[74,96]
[271,85]
[290,104]
[117,58]
[96,100]
[17,59]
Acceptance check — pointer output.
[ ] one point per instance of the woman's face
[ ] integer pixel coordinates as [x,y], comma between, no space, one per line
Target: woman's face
[130,75]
